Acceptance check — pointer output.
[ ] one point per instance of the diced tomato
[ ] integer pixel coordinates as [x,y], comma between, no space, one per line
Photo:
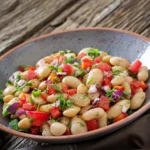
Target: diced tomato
[65,89]
[135,66]
[55,112]
[117,87]
[109,76]
[31,75]
[96,60]
[28,106]
[35,130]
[67,68]
[31,68]
[120,117]
[105,67]
[22,99]
[21,68]
[38,117]
[86,63]
[92,124]
[104,103]
[106,81]
[68,132]
[136,84]
[143,85]
[51,90]
[61,59]
[44,96]
[81,55]
[72,91]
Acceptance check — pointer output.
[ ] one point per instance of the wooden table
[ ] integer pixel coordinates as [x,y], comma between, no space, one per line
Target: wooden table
[21,20]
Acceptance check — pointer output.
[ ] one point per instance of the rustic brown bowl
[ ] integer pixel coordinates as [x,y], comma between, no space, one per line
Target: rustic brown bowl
[117,42]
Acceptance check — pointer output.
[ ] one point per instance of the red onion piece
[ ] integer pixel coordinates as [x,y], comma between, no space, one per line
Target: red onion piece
[20,112]
[117,94]
[12,109]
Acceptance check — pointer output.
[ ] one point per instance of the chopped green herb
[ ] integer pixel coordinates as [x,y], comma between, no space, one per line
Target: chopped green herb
[82,124]
[1,95]
[116,72]
[69,103]
[59,69]
[57,88]
[23,130]
[69,60]
[9,83]
[93,52]
[126,93]
[14,124]
[56,80]
[112,100]
[52,120]
[122,97]
[90,80]
[109,93]
[31,100]
[84,96]
[31,120]
[68,51]
[17,78]
[53,68]
[36,93]
[5,109]
[62,53]
[130,111]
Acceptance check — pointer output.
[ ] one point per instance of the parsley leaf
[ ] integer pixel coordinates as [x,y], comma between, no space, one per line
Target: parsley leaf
[31,119]
[130,112]
[14,124]
[1,95]
[109,93]
[36,93]
[69,103]
[53,68]
[90,80]
[93,52]
[69,60]
[56,88]
[5,109]
[84,96]
[82,124]
[9,83]
[126,93]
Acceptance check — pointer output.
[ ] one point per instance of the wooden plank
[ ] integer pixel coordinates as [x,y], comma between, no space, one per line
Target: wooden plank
[26,19]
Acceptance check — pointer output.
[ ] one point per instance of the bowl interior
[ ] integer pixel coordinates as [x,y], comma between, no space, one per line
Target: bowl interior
[115,43]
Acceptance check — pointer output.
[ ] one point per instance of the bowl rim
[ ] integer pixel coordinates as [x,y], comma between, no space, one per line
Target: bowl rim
[87,134]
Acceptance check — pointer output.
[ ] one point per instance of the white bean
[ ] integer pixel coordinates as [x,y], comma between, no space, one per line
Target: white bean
[23,75]
[137,100]
[48,59]
[116,109]
[42,86]
[46,130]
[103,54]
[65,120]
[52,98]
[118,61]
[94,113]
[138,90]
[9,90]
[84,109]
[85,78]
[142,73]
[24,124]
[34,83]
[78,125]
[103,120]
[107,58]
[71,112]
[26,89]
[129,79]
[71,81]
[127,87]
[57,128]
[7,98]
[38,100]
[22,116]
[95,77]
[46,107]
[80,100]
[118,80]
[82,89]
[92,96]
[43,72]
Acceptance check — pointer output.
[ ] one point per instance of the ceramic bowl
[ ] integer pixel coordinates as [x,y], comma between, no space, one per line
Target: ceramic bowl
[117,42]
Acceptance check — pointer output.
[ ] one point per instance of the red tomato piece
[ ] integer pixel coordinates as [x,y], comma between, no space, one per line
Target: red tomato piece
[44,96]
[104,103]
[51,90]
[136,84]
[135,66]
[105,67]
[31,75]
[143,85]
[38,117]
[86,63]
[120,117]
[55,112]
[31,68]
[68,132]
[28,106]
[72,91]
[20,68]
[65,89]
[35,130]
[92,124]
[106,81]
[81,55]
[96,60]
[67,68]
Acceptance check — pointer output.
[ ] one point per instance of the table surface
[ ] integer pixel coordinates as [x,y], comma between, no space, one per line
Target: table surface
[21,20]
